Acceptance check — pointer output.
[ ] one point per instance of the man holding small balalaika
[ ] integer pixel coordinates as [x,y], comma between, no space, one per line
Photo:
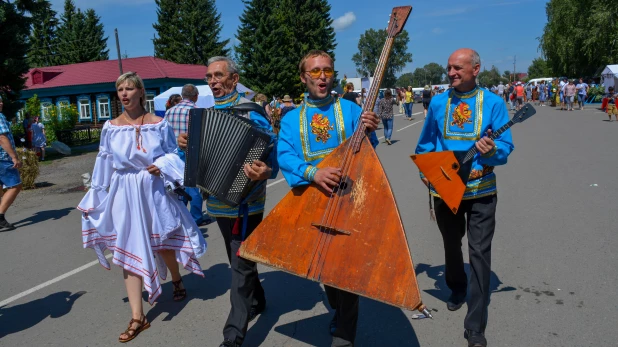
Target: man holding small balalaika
[458,120]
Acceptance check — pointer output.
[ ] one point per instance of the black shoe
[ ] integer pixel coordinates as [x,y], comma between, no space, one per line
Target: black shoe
[255,311]
[333,324]
[476,339]
[228,343]
[455,301]
[6,226]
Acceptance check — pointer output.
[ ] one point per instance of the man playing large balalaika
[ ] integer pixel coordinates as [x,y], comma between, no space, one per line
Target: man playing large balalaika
[308,134]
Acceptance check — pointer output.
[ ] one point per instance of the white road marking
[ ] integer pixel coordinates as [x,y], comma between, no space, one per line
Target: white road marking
[407,126]
[50,282]
[275,182]
[92,263]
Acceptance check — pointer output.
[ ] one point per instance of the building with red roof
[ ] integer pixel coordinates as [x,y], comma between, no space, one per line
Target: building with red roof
[91,86]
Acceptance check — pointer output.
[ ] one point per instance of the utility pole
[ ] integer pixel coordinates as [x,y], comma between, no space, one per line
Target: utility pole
[514,70]
[118,51]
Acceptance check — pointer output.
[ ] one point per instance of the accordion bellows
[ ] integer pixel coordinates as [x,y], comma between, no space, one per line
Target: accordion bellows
[220,144]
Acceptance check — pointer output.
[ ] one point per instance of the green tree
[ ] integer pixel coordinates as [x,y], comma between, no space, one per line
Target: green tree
[15,25]
[580,36]
[405,80]
[490,77]
[421,78]
[506,75]
[43,36]
[273,37]
[370,48]
[435,73]
[33,106]
[80,36]
[188,31]
[539,68]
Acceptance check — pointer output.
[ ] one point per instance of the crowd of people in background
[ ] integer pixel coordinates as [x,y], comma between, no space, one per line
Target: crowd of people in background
[558,92]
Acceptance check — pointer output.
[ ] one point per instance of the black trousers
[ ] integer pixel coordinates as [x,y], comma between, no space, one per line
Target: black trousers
[346,315]
[478,217]
[245,289]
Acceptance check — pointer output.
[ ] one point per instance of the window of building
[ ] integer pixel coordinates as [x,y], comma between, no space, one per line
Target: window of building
[103,106]
[62,104]
[84,108]
[46,107]
[150,101]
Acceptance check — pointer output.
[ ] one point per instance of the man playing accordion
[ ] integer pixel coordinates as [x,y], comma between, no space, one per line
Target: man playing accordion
[246,292]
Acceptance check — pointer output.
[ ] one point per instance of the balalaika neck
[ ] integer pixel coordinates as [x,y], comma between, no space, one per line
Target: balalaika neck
[472,152]
[361,129]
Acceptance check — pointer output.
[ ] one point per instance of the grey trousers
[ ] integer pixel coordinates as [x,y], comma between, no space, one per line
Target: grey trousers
[478,218]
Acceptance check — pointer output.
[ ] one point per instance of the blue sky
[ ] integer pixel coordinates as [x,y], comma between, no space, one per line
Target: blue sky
[498,29]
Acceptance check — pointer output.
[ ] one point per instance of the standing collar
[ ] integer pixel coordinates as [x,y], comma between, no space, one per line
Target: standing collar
[319,103]
[226,99]
[466,95]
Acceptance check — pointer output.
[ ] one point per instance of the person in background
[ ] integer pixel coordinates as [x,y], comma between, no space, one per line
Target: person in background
[261,100]
[349,93]
[426,99]
[582,92]
[9,175]
[385,112]
[561,93]
[39,141]
[519,90]
[611,104]
[409,102]
[178,118]
[172,101]
[542,93]
[401,97]
[287,105]
[27,124]
[569,94]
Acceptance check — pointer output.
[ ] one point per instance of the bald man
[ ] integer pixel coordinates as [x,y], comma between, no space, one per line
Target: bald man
[458,119]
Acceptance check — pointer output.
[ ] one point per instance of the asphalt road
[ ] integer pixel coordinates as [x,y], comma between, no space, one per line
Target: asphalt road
[554,261]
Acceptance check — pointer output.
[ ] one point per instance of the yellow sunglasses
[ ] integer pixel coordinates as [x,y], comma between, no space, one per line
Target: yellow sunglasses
[317,72]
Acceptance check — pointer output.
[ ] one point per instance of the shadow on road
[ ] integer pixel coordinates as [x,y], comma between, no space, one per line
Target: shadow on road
[378,324]
[43,216]
[441,291]
[215,283]
[21,317]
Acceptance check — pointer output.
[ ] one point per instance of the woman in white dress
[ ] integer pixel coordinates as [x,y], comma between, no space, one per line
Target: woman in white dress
[131,208]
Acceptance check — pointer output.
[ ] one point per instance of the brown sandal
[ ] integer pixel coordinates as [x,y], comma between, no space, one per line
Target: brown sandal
[133,332]
[179,294]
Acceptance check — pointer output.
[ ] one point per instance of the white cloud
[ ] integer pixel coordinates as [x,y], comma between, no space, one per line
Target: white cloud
[344,21]
[437,31]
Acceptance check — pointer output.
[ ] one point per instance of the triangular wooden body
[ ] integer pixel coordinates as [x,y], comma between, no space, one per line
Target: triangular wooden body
[446,174]
[373,260]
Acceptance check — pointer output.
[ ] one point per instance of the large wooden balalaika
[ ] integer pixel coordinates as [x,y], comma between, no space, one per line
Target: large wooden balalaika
[352,239]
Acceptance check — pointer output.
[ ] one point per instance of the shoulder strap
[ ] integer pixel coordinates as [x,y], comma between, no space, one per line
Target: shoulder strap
[250,107]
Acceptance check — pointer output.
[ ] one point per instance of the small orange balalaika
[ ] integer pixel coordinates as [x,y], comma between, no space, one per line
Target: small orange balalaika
[352,239]
[448,171]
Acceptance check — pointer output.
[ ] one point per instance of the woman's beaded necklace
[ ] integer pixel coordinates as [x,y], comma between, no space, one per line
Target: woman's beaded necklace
[138,131]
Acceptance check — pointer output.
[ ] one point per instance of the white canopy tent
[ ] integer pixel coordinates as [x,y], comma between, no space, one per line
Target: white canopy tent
[610,76]
[205,98]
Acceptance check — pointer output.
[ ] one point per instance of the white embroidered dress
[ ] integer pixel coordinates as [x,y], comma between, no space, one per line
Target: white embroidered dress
[130,212]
